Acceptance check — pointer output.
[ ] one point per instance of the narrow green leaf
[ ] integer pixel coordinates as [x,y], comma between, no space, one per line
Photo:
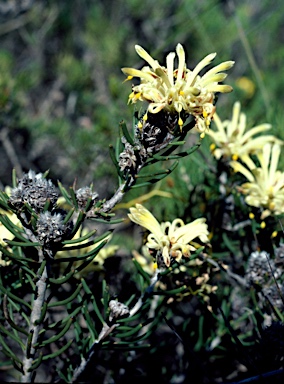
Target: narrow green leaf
[141,271]
[12,336]
[89,321]
[68,216]
[155,180]
[29,344]
[10,321]
[64,193]
[171,291]
[14,297]
[58,352]
[78,223]
[29,271]
[22,243]
[61,280]
[143,336]
[62,376]
[63,321]
[68,300]
[43,313]
[41,268]
[116,221]
[126,134]
[73,197]
[147,175]
[8,352]
[115,162]
[36,363]
[79,239]
[4,218]
[91,258]
[4,202]
[134,330]
[94,303]
[228,243]
[56,337]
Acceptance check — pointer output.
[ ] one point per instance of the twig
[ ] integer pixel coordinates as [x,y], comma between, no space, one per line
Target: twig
[106,330]
[34,328]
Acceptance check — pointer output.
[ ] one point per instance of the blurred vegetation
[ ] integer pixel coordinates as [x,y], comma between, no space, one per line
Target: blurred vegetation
[62,97]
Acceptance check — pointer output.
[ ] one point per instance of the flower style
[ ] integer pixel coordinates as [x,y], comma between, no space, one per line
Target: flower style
[171,239]
[179,90]
[265,186]
[232,139]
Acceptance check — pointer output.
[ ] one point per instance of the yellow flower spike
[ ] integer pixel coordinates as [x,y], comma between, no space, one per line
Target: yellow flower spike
[145,117]
[140,125]
[251,216]
[234,139]
[264,187]
[170,239]
[202,135]
[274,234]
[176,88]
[262,225]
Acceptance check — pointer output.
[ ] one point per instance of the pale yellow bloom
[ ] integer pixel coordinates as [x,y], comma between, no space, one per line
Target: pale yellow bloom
[4,232]
[171,239]
[265,186]
[179,89]
[232,139]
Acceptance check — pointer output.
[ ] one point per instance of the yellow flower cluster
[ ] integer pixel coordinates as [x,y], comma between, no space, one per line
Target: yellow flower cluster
[4,232]
[179,89]
[233,141]
[265,186]
[171,239]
